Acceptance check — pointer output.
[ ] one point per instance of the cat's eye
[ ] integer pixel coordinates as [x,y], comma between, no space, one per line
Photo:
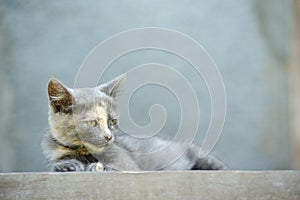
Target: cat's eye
[112,122]
[91,123]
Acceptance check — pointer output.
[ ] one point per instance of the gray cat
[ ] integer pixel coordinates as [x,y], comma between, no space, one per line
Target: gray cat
[84,136]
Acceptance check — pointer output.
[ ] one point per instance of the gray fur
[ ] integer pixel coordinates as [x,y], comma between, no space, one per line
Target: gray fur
[81,137]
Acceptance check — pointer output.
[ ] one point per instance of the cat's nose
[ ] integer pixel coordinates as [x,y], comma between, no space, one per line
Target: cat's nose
[108,137]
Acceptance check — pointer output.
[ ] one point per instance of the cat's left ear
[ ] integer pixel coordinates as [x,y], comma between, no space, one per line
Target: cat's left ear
[111,88]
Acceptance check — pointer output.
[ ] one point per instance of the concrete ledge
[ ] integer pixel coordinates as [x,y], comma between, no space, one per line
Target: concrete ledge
[152,185]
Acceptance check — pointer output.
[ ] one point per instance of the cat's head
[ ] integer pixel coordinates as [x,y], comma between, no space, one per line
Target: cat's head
[84,116]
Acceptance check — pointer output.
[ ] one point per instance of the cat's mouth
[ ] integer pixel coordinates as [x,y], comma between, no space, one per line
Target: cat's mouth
[97,146]
[96,141]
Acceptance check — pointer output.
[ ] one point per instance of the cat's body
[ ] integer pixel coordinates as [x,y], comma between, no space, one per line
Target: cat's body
[84,136]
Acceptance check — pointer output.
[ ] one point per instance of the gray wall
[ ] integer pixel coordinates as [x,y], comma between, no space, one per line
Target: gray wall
[248,39]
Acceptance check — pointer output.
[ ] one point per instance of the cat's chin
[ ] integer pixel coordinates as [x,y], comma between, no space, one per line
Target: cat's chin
[96,148]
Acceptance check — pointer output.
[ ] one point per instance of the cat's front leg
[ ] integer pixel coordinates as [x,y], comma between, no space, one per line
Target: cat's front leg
[70,165]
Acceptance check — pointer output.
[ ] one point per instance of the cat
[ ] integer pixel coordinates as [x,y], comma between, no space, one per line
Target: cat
[83,136]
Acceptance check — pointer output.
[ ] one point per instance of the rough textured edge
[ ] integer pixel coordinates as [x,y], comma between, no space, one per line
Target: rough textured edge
[152,185]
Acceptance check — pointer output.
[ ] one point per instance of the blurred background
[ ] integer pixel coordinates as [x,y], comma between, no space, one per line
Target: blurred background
[255,44]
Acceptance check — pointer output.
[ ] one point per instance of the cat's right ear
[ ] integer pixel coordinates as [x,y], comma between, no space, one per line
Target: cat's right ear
[60,97]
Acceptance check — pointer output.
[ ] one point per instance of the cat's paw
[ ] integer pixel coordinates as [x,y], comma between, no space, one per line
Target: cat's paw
[96,167]
[209,163]
[71,165]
